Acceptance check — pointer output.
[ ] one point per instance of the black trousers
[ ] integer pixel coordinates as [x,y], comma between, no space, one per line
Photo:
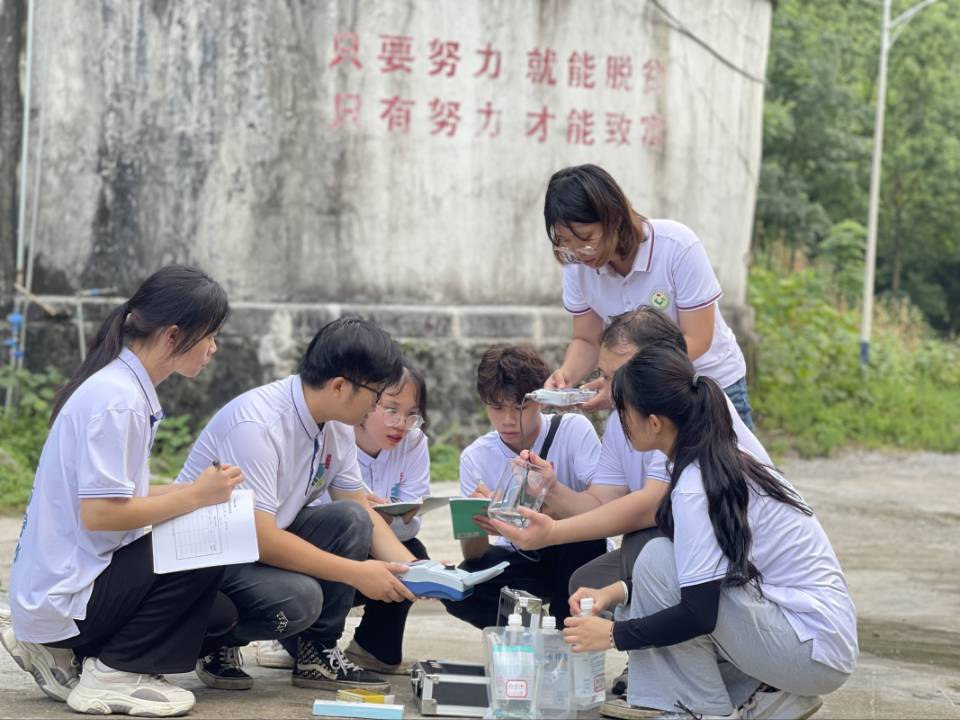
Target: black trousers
[141,622]
[380,632]
[544,573]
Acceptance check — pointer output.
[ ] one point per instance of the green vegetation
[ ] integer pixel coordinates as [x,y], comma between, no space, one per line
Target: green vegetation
[820,99]
[810,395]
[444,463]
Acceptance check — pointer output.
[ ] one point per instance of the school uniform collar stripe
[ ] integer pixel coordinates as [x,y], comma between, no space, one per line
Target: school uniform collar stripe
[130,359]
[310,427]
[644,259]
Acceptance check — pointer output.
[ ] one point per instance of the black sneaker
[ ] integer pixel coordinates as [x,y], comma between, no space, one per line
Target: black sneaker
[222,670]
[327,669]
[619,688]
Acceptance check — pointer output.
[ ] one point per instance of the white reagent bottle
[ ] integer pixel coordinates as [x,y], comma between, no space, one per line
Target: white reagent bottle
[589,675]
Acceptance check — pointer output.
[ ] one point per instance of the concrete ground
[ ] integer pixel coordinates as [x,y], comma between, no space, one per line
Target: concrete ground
[894,520]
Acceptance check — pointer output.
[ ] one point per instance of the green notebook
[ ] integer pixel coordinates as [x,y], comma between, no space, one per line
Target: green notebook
[462,511]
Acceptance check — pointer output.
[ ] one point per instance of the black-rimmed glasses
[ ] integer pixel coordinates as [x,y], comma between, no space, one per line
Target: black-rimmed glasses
[377,393]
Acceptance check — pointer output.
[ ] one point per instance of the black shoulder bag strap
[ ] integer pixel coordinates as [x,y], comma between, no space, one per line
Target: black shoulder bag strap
[551,433]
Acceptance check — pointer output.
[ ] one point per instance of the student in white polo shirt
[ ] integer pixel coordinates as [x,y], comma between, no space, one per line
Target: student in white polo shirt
[741,609]
[82,583]
[504,376]
[615,260]
[639,478]
[294,440]
[395,467]
[628,485]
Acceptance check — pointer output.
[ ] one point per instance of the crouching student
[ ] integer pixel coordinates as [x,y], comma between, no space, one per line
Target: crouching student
[741,609]
[82,584]
[395,467]
[627,485]
[294,438]
[505,375]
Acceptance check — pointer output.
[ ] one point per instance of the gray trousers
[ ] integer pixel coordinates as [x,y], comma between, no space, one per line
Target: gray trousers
[713,674]
[614,565]
[276,604]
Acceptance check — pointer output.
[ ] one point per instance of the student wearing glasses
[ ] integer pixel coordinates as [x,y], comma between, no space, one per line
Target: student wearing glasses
[395,467]
[295,442]
[614,260]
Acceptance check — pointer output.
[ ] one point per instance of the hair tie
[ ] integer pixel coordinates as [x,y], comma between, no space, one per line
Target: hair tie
[693,383]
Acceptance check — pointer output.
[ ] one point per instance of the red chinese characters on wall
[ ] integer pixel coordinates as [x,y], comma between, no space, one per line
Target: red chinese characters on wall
[538,123]
[618,129]
[540,66]
[586,124]
[619,72]
[580,127]
[346,49]
[444,56]
[653,127]
[491,120]
[580,68]
[397,113]
[491,62]
[346,110]
[396,53]
[445,117]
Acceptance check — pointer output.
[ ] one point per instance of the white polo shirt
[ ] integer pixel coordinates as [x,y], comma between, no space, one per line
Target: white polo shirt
[800,570]
[286,459]
[574,453]
[620,464]
[670,273]
[401,474]
[97,448]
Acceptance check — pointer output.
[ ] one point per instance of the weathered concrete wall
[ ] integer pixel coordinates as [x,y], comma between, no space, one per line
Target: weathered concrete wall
[311,154]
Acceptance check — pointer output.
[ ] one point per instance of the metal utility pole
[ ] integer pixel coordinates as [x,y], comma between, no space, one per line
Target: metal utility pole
[891,31]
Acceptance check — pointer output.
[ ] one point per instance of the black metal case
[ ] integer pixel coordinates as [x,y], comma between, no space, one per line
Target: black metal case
[445,687]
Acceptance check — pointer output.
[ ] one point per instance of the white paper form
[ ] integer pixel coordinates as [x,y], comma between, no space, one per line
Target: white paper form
[211,536]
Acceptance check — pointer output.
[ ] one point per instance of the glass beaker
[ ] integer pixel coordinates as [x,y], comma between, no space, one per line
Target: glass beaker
[521,485]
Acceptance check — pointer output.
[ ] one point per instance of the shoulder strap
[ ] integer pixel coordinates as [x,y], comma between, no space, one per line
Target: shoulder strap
[551,433]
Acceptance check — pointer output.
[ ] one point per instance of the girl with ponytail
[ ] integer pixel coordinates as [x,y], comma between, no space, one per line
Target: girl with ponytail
[82,584]
[744,573]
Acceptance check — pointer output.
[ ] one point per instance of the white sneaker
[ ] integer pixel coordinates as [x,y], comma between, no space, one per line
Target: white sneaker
[270,653]
[55,669]
[124,693]
[779,705]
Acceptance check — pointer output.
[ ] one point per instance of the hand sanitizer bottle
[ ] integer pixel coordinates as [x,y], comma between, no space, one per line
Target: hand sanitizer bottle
[589,673]
[513,670]
[555,688]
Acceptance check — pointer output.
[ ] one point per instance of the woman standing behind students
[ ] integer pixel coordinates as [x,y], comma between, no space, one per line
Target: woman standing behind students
[82,584]
[744,577]
[395,466]
[615,260]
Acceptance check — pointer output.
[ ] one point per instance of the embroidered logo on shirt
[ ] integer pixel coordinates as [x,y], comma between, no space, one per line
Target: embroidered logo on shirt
[318,480]
[660,299]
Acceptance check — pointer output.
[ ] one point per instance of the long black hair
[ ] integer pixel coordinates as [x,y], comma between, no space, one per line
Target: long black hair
[174,295]
[660,380]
